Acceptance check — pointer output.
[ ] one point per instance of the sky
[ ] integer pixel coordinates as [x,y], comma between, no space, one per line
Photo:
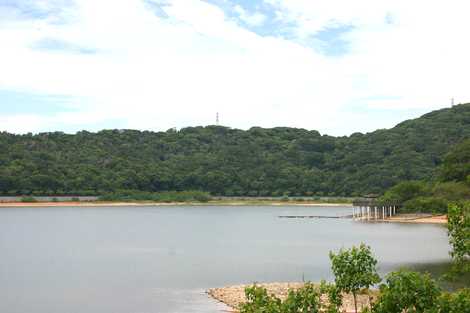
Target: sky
[336,66]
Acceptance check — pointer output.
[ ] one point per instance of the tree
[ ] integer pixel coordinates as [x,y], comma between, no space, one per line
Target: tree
[354,269]
[405,191]
[459,231]
[225,161]
[456,165]
[407,292]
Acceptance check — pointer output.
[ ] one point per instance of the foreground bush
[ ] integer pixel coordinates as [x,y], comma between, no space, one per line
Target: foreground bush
[457,302]
[406,291]
[459,234]
[304,300]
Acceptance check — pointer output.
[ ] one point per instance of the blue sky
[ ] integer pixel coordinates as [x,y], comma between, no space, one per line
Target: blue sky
[335,66]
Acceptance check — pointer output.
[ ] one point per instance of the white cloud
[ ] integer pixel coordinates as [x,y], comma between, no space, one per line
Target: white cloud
[157,73]
[252,19]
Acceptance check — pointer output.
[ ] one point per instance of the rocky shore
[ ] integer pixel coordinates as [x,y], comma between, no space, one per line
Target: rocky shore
[233,296]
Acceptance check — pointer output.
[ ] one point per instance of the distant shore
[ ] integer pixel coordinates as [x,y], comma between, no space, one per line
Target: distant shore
[399,218]
[148,203]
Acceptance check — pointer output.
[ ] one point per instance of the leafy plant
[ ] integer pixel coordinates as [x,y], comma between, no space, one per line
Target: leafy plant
[407,292]
[335,297]
[306,299]
[354,269]
[457,302]
[459,231]
[259,301]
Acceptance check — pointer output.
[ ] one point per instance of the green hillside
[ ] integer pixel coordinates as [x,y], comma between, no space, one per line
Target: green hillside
[228,161]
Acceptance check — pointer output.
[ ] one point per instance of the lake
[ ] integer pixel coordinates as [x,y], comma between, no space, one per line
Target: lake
[162,259]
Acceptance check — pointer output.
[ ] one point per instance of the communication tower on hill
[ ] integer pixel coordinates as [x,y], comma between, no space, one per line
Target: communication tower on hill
[217,119]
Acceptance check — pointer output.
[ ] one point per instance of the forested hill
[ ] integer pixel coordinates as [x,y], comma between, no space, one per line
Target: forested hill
[228,161]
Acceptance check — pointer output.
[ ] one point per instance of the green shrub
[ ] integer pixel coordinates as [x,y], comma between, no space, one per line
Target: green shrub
[258,300]
[202,197]
[457,302]
[28,199]
[452,190]
[406,291]
[405,191]
[459,231]
[335,297]
[426,205]
[303,300]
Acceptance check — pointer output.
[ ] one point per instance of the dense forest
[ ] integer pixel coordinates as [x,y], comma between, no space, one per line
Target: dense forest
[450,184]
[224,161]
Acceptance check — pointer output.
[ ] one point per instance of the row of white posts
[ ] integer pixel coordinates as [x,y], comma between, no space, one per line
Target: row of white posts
[368,213]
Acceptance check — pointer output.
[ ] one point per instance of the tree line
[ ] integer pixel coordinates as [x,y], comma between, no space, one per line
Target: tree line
[231,162]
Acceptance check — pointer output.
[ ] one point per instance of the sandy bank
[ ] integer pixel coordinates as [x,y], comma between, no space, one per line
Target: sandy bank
[233,296]
[419,218]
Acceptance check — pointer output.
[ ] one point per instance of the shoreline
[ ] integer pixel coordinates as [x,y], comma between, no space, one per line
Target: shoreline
[411,218]
[418,219]
[399,218]
[17,204]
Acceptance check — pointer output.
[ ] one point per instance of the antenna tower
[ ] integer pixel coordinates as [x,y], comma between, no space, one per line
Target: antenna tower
[217,119]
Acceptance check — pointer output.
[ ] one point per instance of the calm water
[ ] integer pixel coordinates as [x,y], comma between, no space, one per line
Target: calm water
[161,259]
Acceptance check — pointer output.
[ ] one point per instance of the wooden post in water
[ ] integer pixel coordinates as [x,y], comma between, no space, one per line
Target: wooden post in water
[368,212]
[375,212]
[390,208]
[394,210]
[383,212]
